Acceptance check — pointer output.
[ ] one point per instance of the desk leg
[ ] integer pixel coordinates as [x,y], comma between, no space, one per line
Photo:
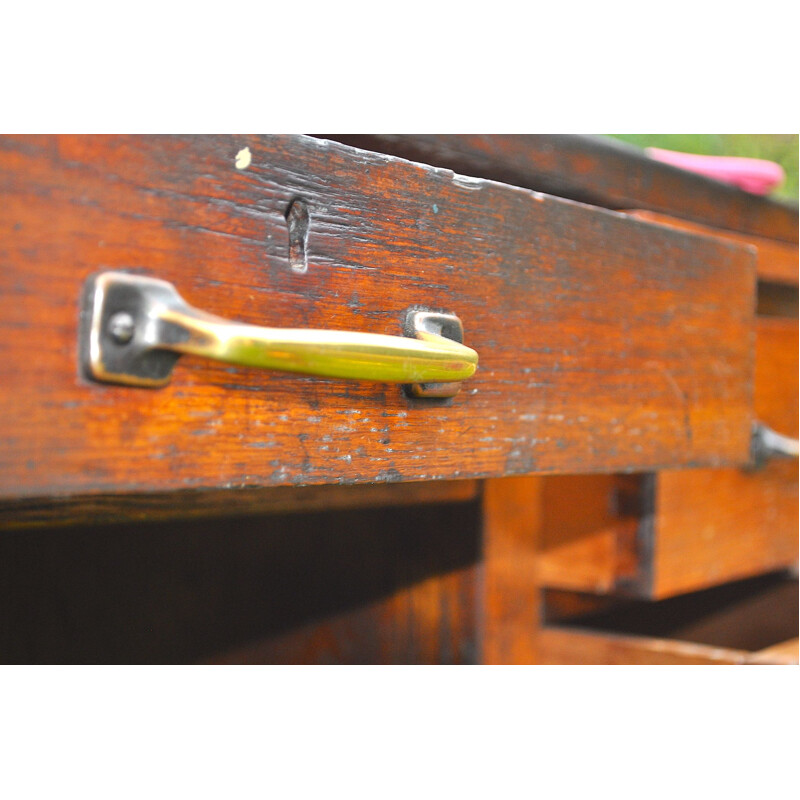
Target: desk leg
[510,608]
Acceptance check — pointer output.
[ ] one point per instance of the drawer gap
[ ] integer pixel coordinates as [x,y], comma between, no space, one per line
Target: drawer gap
[748,615]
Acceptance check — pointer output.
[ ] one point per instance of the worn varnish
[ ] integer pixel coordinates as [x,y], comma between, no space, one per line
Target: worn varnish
[594,170]
[681,530]
[605,343]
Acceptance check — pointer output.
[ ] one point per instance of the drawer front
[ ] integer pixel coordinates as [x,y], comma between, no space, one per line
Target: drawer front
[676,531]
[605,343]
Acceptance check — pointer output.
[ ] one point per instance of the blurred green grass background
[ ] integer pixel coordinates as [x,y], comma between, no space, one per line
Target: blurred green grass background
[779,147]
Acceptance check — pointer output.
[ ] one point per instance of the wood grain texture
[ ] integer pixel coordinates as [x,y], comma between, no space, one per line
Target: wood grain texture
[594,170]
[777,261]
[389,585]
[606,343]
[712,526]
[510,602]
[211,503]
[683,530]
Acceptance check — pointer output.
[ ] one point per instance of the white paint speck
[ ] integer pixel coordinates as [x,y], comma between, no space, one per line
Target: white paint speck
[467,181]
[243,158]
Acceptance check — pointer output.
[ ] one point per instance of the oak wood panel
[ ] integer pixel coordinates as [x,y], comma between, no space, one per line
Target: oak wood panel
[595,170]
[210,503]
[777,261]
[605,343]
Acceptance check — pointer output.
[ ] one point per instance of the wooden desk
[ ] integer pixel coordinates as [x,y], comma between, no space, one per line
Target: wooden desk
[238,514]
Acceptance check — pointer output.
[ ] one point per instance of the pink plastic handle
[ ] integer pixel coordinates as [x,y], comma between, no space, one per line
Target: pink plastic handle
[754,175]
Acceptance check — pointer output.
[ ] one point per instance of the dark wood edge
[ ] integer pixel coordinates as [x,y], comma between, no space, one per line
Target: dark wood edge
[189,504]
[591,169]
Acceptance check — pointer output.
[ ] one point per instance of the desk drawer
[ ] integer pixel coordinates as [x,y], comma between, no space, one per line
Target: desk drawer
[677,531]
[752,622]
[605,343]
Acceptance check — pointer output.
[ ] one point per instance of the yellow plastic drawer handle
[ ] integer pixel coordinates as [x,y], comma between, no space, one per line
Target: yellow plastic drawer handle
[134,328]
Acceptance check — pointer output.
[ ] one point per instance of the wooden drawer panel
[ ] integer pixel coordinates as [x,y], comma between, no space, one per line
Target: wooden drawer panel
[754,622]
[605,343]
[681,530]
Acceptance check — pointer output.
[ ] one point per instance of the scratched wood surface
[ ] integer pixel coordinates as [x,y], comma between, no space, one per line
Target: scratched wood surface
[683,530]
[594,170]
[606,343]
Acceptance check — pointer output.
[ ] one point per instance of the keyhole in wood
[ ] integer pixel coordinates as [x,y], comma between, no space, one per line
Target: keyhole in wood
[297,223]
